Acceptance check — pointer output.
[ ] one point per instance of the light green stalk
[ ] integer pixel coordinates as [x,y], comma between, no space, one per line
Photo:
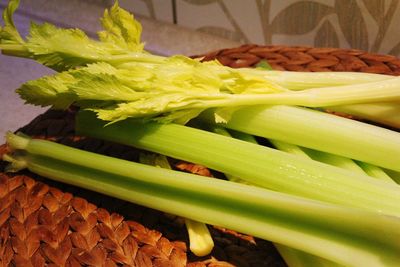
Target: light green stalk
[335,160]
[297,80]
[259,165]
[383,113]
[293,257]
[297,258]
[319,131]
[200,240]
[348,236]
[375,172]
[292,149]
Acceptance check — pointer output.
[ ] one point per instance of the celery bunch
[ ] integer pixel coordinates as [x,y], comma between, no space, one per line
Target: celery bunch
[140,99]
[347,236]
[117,79]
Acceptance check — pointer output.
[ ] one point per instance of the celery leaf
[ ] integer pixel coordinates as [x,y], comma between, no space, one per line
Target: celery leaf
[63,49]
[121,29]
[8,33]
[49,91]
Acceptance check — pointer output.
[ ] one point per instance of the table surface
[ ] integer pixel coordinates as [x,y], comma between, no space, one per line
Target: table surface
[160,38]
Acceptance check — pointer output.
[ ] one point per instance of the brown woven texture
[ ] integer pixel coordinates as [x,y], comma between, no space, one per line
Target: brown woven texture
[302,58]
[46,223]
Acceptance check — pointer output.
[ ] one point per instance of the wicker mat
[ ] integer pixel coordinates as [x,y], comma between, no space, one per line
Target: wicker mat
[46,223]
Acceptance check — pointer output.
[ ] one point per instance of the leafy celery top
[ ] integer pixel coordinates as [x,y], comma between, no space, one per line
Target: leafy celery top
[116,78]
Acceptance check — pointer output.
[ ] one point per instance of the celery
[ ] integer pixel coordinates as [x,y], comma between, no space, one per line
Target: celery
[393,175]
[117,79]
[157,91]
[375,171]
[335,160]
[347,236]
[319,131]
[292,149]
[293,257]
[383,113]
[200,240]
[294,80]
[297,258]
[256,164]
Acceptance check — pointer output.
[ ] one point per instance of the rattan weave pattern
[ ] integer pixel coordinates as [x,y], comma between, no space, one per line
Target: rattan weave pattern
[302,58]
[45,223]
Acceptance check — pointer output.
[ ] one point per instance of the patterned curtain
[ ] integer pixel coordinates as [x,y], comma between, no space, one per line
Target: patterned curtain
[370,25]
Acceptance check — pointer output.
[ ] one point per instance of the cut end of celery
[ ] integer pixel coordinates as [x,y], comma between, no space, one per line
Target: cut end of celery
[15,165]
[201,243]
[16,141]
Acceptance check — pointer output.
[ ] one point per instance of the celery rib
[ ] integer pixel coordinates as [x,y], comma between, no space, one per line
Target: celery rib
[319,131]
[200,240]
[383,113]
[293,257]
[297,80]
[256,164]
[348,236]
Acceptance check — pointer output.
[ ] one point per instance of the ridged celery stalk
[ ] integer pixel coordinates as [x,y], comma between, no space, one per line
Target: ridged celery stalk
[335,160]
[296,80]
[259,165]
[348,236]
[200,240]
[383,113]
[320,131]
[375,171]
[293,257]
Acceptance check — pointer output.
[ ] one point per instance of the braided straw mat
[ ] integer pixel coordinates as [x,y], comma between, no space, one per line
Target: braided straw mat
[46,223]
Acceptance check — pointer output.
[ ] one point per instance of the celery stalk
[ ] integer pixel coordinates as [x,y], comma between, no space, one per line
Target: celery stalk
[335,160]
[292,149]
[384,113]
[200,240]
[297,258]
[319,131]
[259,165]
[348,236]
[293,257]
[296,80]
[393,175]
[375,171]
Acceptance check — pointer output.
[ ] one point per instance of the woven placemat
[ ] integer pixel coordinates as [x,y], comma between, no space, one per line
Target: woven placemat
[46,223]
[303,58]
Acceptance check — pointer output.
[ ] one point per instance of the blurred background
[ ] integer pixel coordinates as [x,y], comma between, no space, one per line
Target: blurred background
[193,27]
[370,25]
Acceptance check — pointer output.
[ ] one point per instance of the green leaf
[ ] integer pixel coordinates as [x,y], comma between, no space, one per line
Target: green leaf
[49,91]
[62,49]
[263,64]
[9,33]
[121,29]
